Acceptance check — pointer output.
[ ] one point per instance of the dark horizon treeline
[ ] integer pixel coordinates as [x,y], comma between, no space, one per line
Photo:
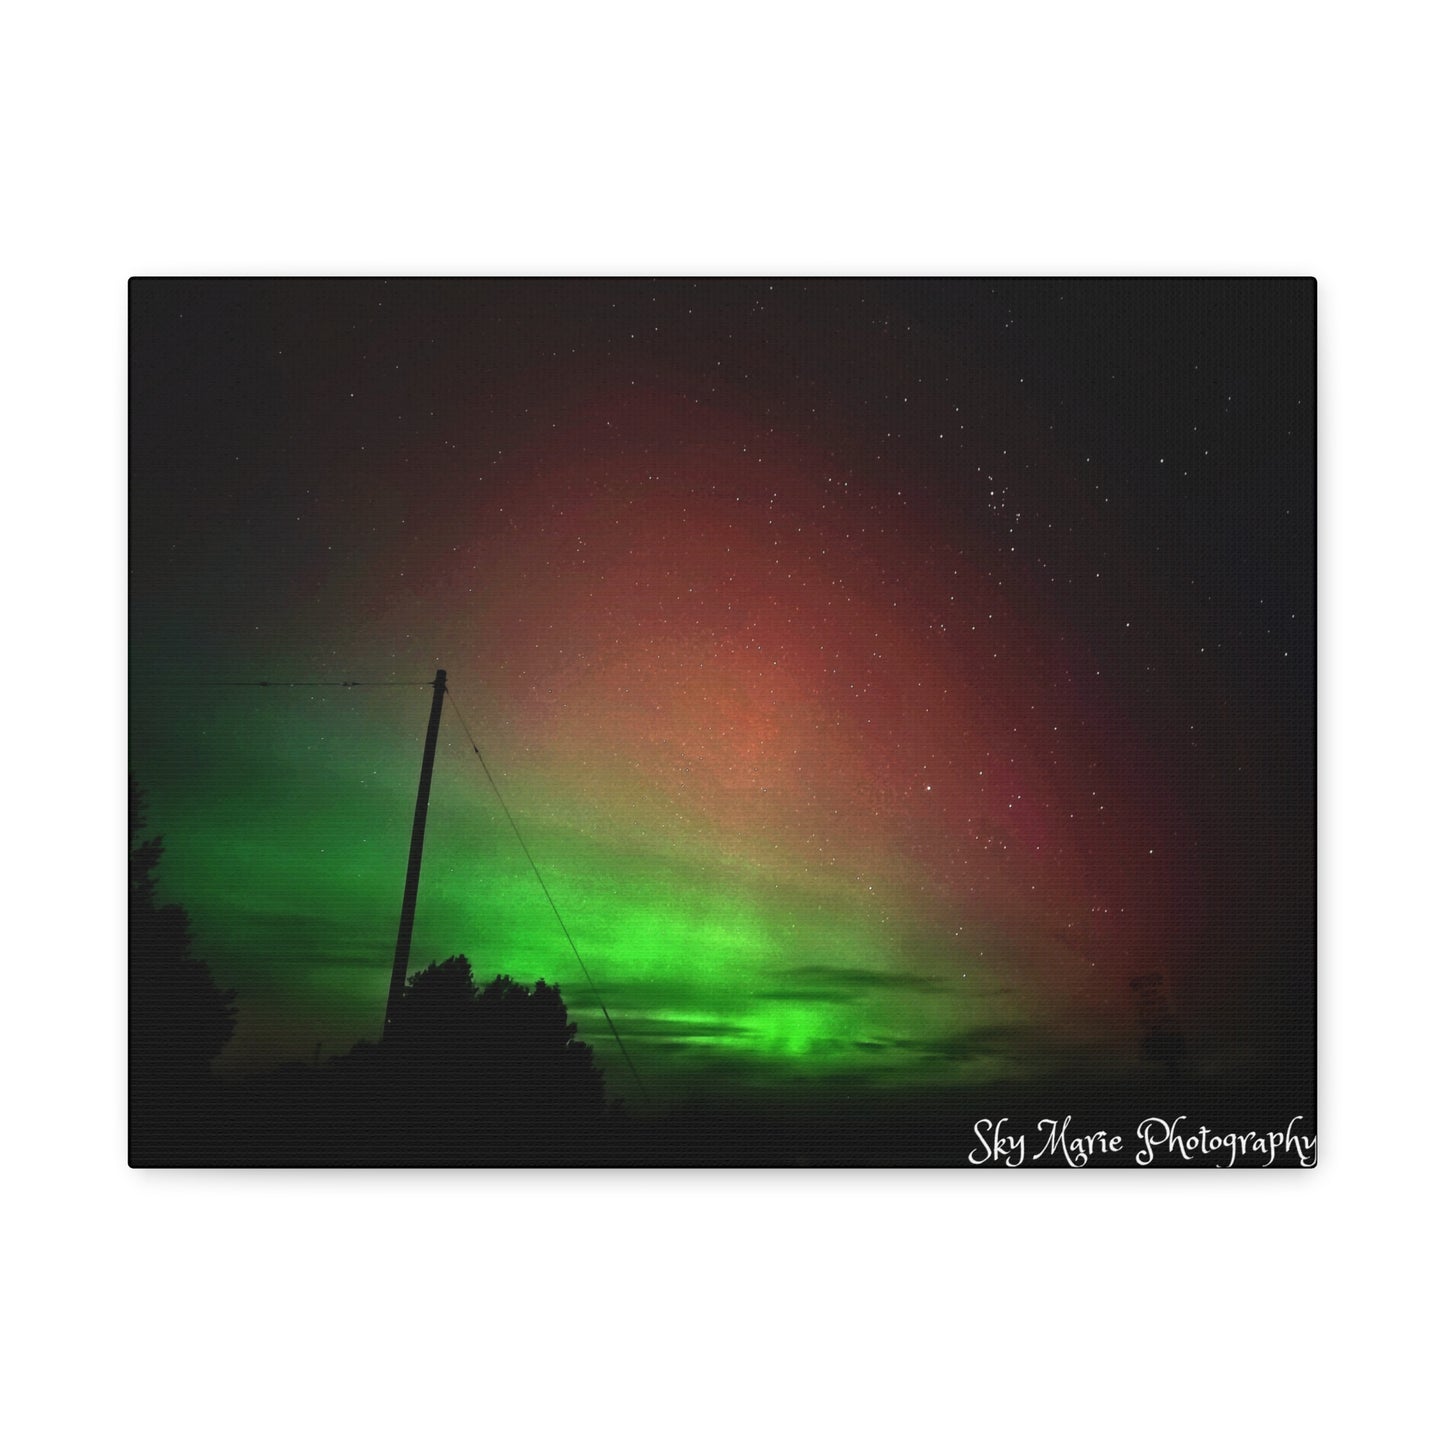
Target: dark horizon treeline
[471,1075]
[494,1075]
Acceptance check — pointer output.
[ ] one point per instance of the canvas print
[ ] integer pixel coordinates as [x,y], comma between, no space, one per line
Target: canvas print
[707,722]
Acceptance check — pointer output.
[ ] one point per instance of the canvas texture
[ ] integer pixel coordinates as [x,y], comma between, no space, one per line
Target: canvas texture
[722,723]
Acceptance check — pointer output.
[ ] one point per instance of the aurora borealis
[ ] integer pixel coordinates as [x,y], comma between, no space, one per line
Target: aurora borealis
[882,673]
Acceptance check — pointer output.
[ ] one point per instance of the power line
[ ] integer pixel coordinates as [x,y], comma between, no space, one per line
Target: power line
[303,684]
[522,842]
[547,893]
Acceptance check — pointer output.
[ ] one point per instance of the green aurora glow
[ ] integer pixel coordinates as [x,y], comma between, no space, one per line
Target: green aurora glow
[875,703]
[289,853]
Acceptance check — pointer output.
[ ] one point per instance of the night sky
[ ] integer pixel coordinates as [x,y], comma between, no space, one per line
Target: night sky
[882,673]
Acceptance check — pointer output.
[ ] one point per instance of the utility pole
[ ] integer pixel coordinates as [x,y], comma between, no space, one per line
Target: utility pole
[413,863]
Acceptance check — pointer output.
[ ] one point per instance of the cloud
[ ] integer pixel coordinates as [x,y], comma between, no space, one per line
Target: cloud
[822,983]
[662,1029]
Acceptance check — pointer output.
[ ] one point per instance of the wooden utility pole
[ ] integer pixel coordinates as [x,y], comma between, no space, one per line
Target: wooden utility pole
[413,863]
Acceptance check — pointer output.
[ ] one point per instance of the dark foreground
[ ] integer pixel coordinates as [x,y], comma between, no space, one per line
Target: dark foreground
[372,1117]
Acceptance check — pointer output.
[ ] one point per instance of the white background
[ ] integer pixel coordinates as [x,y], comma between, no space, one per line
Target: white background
[754,138]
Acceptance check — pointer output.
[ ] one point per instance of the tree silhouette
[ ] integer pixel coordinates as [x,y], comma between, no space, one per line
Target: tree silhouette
[179,1019]
[439,1010]
[471,1071]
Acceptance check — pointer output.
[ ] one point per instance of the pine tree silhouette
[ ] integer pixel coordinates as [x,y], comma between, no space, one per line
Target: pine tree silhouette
[179,1019]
